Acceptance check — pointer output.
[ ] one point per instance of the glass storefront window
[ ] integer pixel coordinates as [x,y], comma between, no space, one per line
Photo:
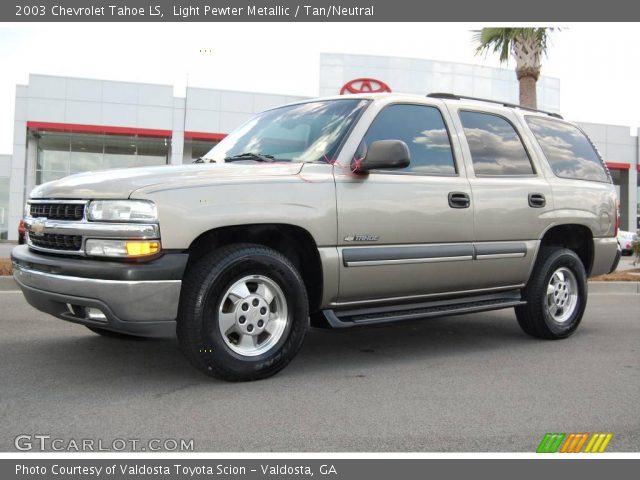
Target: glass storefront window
[119,151]
[53,154]
[61,154]
[199,147]
[47,176]
[86,153]
[151,151]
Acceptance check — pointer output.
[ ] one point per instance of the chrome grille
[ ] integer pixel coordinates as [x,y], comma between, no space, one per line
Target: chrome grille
[57,211]
[56,241]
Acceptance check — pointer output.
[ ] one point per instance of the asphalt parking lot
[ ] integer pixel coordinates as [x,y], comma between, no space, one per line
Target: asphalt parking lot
[473,383]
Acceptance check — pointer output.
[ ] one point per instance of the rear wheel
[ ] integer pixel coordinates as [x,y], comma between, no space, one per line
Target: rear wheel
[556,295]
[243,313]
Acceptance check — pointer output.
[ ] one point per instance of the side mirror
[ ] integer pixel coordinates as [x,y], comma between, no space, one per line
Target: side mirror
[383,154]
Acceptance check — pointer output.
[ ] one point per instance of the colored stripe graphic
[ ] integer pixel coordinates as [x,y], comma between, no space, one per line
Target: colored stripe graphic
[550,443]
[573,442]
[598,442]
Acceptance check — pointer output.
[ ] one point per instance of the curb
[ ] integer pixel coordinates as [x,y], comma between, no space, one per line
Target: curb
[614,288]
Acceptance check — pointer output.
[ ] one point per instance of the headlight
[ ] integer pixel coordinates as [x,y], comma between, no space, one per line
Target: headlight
[122,211]
[27,210]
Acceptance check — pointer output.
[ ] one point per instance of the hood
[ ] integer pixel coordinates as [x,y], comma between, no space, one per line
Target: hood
[121,183]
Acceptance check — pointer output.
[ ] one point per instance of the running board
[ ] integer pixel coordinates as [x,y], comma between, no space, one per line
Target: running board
[394,313]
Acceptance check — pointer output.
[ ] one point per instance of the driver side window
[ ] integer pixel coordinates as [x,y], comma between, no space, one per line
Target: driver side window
[423,129]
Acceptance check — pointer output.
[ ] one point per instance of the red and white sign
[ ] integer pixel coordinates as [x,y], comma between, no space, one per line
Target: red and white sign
[364,85]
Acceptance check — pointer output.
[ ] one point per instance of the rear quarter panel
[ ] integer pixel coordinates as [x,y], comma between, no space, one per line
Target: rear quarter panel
[592,204]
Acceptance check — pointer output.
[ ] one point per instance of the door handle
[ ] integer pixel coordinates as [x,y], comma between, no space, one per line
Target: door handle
[537,200]
[459,200]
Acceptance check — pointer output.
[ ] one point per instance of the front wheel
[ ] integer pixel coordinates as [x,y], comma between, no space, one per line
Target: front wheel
[556,295]
[243,313]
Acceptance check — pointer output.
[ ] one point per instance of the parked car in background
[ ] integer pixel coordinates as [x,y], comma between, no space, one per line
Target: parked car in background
[626,239]
[21,232]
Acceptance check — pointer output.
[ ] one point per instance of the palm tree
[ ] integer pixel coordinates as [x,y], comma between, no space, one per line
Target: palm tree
[527,45]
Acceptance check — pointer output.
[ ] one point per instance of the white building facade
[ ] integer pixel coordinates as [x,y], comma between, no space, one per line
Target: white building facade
[68,125]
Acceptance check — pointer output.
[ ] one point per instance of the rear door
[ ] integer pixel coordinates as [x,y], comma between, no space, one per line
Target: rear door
[512,198]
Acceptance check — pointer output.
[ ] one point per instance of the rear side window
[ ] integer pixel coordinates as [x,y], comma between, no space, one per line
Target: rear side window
[568,150]
[423,130]
[496,147]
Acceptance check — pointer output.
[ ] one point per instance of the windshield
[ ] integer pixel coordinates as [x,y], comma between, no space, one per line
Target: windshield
[305,132]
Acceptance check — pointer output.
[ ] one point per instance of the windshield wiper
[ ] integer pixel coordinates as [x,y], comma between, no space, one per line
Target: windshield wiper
[250,156]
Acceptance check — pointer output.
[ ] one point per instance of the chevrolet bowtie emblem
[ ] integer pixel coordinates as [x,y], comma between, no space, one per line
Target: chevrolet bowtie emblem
[37,228]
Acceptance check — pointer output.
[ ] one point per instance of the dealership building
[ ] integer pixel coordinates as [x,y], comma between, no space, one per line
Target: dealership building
[67,125]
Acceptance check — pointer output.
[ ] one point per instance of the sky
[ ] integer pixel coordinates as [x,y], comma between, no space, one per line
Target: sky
[598,64]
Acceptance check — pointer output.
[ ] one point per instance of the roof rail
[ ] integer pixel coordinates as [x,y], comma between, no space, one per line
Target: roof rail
[452,96]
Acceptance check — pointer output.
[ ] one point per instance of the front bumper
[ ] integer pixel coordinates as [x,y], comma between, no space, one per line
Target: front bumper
[134,298]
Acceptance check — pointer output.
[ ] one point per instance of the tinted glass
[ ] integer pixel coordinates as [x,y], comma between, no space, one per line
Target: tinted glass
[422,129]
[496,148]
[568,151]
[305,132]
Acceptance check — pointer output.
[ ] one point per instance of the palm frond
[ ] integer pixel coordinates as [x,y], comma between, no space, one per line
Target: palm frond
[501,40]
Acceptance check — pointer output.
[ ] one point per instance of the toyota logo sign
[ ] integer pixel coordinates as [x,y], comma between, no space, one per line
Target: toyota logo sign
[364,85]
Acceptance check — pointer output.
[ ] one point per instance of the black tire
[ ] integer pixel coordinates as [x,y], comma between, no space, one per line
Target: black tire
[534,317]
[111,334]
[206,281]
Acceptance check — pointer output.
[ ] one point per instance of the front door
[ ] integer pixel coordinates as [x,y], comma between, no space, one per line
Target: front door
[405,234]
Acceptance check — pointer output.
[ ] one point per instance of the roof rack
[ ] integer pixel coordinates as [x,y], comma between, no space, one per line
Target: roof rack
[451,96]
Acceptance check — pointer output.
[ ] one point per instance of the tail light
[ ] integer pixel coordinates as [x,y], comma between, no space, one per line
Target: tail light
[615,234]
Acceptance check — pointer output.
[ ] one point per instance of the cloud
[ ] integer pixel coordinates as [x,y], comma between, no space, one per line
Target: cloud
[436,139]
[568,151]
[497,153]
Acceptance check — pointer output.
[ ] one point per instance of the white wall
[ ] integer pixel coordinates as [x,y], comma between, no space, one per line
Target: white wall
[221,111]
[5,172]
[99,102]
[420,76]
[18,161]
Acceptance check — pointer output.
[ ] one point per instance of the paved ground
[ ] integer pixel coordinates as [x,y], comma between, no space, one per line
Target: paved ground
[626,263]
[473,383]
[5,249]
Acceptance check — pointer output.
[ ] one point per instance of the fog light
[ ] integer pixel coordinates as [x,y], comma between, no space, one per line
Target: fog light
[95,314]
[121,248]
[88,313]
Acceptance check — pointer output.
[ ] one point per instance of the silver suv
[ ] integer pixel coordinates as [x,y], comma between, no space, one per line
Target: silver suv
[336,212]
